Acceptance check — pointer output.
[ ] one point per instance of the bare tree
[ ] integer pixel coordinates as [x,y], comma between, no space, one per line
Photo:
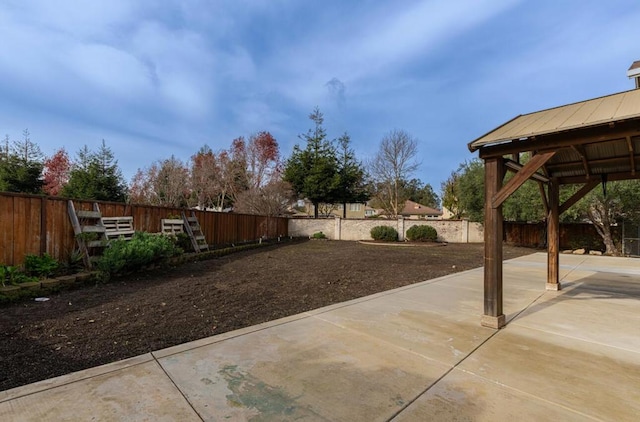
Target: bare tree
[394,162]
[272,199]
[164,183]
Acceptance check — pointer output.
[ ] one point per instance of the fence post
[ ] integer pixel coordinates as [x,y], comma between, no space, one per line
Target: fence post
[465,231]
[43,225]
[337,232]
[401,228]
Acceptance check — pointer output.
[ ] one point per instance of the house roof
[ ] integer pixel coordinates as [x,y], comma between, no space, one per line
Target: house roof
[595,112]
[413,208]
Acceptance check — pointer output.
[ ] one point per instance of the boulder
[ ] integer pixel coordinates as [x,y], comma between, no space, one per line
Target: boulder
[595,253]
[579,252]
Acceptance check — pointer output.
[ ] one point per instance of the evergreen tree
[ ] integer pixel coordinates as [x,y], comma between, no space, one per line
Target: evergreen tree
[96,176]
[21,166]
[313,171]
[351,176]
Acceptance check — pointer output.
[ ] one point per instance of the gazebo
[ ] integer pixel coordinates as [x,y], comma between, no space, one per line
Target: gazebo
[588,143]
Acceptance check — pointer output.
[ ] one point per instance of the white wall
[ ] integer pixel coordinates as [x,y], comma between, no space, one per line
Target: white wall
[454,231]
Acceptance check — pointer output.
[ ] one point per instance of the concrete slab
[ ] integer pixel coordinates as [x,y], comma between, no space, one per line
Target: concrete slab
[465,397]
[308,369]
[412,354]
[139,392]
[589,378]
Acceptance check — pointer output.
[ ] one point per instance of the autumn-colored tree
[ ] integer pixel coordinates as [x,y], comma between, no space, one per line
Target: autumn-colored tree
[260,190]
[141,189]
[262,159]
[56,172]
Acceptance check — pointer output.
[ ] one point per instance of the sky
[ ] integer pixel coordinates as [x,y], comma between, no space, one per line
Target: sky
[156,79]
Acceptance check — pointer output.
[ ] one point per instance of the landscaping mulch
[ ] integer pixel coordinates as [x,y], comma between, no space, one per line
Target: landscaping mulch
[140,313]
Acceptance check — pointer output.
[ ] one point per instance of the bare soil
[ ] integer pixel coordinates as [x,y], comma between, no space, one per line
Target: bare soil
[133,315]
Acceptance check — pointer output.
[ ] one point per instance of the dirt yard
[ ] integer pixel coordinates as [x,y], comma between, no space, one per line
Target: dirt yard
[130,316]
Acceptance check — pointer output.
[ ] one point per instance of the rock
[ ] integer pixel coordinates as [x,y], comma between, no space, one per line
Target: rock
[568,251]
[595,253]
[579,252]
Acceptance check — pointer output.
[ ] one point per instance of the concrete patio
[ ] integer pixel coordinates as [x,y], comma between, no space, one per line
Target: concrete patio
[412,354]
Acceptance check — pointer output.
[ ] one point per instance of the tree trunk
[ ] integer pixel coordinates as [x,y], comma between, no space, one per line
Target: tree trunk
[315,209]
[344,210]
[599,216]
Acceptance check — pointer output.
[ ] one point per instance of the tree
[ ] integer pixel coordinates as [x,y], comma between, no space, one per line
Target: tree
[421,193]
[21,166]
[205,178]
[313,171]
[165,183]
[451,195]
[605,209]
[271,200]
[262,157]
[96,176]
[352,187]
[463,195]
[260,188]
[394,162]
[56,172]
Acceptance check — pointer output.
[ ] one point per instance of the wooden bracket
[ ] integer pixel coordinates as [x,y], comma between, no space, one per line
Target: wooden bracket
[525,173]
[588,187]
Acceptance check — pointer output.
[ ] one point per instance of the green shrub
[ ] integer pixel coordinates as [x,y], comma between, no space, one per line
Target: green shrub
[40,266]
[12,276]
[422,234]
[74,263]
[128,255]
[385,233]
[183,241]
[319,235]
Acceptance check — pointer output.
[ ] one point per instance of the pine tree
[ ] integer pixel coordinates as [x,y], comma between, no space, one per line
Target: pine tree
[96,176]
[313,172]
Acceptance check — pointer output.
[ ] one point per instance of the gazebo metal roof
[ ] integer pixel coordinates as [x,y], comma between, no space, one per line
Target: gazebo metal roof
[590,138]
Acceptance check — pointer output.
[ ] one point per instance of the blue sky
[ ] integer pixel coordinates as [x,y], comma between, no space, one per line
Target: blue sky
[160,78]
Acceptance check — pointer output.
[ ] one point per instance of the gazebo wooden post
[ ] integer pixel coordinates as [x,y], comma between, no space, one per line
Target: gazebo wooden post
[553,236]
[493,227]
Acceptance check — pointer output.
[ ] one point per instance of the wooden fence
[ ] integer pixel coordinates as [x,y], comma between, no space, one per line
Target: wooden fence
[572,235]
[31,224]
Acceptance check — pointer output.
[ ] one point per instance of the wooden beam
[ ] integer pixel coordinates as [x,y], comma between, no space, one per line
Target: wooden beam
[522,176]
[565,139]
[493,230]
[553,237]
[632,159]
[611,177]
[579,149]
[599,162]
[545,203]
[516,167]
[588,187]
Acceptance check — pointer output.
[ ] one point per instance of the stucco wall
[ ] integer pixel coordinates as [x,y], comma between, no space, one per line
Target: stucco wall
[454,231]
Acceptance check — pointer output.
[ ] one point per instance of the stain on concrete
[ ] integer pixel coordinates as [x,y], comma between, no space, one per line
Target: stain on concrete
[272,403]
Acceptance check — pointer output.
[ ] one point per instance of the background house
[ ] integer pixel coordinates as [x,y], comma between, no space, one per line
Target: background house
[414,211]
[354,210]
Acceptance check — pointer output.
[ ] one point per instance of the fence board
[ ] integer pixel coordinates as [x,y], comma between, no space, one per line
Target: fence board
[32,224]
[6,230]
[572,235]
